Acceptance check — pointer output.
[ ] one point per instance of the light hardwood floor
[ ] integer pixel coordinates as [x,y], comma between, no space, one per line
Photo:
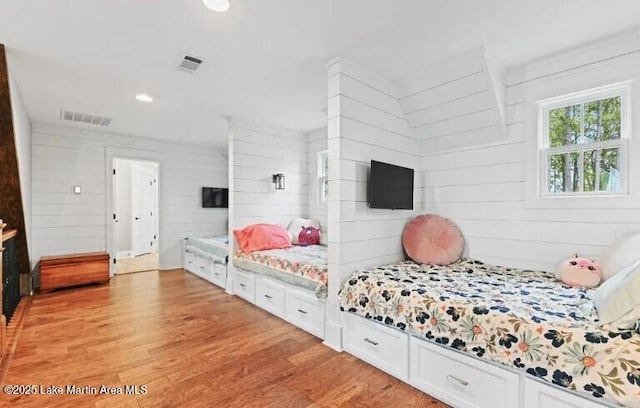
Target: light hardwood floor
[142,263]
[192,345]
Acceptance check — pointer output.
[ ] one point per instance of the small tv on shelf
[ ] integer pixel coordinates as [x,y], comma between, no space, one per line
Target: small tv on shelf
[390,186]
[213,197]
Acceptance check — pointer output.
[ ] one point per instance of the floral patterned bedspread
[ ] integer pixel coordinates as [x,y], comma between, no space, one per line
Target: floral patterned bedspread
[304,266]
[520,318]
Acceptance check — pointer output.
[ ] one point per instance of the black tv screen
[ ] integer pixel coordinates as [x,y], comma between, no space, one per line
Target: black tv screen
[215,197]
[390,186]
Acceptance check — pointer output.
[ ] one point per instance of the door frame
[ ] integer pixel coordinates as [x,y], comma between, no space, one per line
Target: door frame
[113,153]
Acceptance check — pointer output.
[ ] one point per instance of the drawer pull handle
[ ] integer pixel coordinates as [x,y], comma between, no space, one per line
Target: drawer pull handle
[268,297]
[243,285]
[303,311]
[368,340]
[458,380]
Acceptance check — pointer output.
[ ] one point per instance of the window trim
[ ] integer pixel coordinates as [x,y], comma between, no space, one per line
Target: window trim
[619,89]
[322,178]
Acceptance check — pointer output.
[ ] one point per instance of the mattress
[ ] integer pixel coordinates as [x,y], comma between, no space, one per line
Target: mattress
[215,249]
[523,319]
[302,266]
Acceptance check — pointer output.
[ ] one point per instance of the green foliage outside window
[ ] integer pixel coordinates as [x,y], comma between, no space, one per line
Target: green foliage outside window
[586,169]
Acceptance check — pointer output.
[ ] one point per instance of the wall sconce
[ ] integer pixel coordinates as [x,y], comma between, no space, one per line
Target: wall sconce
[278,180]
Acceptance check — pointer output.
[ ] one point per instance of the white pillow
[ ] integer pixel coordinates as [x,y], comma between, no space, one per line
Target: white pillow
[629,321]
[624,252]
[617,300]
[296,225]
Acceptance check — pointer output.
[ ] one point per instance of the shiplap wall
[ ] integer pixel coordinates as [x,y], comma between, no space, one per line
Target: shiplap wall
[22,129]
[458,103]
[317,142]
[365,123]
[67,223]
[257,152]
[483,188]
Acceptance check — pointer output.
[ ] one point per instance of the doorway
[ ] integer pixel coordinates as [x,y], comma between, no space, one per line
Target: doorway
[135,193]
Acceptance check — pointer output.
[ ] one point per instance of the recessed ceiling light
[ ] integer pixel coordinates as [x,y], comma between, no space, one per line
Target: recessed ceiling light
[217,5]
[143,97]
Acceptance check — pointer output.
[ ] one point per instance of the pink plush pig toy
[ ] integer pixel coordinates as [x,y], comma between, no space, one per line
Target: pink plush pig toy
[579,272]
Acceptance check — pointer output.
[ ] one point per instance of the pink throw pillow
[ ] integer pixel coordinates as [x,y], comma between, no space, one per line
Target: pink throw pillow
[309,236]
[432,240]
[258,237]
[579,272]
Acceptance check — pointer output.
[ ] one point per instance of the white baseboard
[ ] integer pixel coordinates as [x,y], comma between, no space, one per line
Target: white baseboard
[123,254]
[333,336]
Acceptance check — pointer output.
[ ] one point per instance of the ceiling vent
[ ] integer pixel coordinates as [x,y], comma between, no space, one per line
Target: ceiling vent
[189,63]
[84,118]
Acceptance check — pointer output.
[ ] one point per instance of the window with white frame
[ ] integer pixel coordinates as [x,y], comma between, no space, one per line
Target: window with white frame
[323,175]
[583,143]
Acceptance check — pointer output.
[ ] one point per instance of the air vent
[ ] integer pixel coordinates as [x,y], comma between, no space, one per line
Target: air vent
[189,63]
[84,118]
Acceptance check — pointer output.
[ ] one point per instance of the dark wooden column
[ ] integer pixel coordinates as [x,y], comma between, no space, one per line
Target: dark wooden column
[11,209]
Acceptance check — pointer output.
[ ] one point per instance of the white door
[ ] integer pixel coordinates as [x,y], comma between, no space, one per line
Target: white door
[142,208]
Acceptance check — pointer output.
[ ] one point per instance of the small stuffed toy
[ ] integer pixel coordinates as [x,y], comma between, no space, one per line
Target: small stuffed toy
[309,236]
[579,272]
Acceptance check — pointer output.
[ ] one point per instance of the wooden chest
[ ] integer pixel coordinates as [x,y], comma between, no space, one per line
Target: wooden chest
[72,270]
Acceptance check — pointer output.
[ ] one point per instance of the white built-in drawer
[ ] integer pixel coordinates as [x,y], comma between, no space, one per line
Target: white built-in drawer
[218,274]
[541,395]
[204,267]
[380,346]
[270,296]
[461,380]
[244,285]
[305,311]
[190,262]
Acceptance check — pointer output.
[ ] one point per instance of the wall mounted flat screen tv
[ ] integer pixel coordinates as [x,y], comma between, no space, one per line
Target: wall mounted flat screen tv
[390,186]
[215,197]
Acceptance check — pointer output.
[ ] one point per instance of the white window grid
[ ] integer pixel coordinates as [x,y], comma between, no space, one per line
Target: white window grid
[622,90]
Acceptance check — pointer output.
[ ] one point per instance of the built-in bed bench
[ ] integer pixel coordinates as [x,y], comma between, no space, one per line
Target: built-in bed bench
[476,335]
[207,258]
[290,283]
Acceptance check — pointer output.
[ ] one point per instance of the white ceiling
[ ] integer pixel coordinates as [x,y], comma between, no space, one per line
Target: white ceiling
[264,59]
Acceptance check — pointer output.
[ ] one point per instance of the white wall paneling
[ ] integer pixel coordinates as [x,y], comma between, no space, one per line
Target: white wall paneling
[485,188]
[68,223]
[366,122]
[469,127]
[457,103]
[257,153]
